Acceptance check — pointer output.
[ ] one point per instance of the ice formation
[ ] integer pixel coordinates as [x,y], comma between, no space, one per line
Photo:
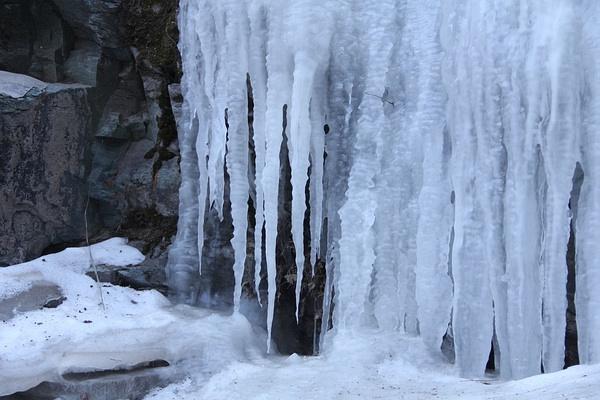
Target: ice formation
[438,140]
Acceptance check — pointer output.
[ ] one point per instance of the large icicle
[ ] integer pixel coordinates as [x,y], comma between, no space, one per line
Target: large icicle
[309,36]
[441,139]
[278,95]
[559,145]
[472,316]
[237,142]
[258,77]
[587,296]
[434,287]
[358,213]
[299,144]
[185,255]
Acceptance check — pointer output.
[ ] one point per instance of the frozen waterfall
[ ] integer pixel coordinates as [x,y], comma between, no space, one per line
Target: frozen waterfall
[433,146]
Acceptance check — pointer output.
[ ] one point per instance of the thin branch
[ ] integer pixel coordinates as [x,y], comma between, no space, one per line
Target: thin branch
[92,263]
[381,98]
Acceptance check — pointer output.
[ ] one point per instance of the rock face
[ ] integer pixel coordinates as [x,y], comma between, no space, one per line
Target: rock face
[45,137]
[121,147]
[125,53]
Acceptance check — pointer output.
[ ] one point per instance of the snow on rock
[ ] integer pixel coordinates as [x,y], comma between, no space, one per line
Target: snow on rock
[17,85]
[79,336]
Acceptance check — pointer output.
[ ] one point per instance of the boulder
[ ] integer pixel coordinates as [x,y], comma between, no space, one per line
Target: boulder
[45,136]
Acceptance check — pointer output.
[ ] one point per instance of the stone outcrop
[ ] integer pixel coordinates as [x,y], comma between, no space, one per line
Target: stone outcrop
[45,137]
[124,53]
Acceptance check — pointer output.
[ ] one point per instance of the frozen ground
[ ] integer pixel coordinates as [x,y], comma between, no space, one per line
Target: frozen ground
[136,327]
[220,354]
[360,368]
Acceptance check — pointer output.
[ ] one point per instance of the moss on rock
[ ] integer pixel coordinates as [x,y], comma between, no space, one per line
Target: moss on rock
[152,28]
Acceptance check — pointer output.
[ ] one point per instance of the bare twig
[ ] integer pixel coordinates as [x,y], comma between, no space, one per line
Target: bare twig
[92,263]
[381,98]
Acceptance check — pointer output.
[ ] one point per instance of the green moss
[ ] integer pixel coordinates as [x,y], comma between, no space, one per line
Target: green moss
[152,29]
[149,226]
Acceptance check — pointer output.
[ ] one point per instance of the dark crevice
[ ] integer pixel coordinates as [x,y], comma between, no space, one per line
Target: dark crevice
[285,328]
[84,376]
[307,307]
[249,304]
[571,348]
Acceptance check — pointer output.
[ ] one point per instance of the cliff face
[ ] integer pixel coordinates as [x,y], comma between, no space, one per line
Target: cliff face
[123,139]
[111,137]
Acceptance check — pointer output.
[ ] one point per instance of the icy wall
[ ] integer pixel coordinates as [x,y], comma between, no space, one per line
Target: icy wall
[433,145]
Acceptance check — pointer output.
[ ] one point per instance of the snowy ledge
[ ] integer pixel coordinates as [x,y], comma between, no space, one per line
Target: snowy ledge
[137,327]
[19,85]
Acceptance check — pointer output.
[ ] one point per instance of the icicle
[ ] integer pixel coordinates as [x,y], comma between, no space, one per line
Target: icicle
[258,77]
[587,296]
[441,183]
[214,84]
[560,154]
[472,317]
[300,132]
[318,122]
[236,66]
[278,95]
[184,257]
[357,215]
[433,285]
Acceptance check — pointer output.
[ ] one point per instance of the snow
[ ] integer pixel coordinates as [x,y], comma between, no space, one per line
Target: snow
[17,85]
[79,336]
[219,357]
[398,369]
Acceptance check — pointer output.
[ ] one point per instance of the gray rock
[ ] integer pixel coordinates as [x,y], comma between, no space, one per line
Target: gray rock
[95,20]
[82,64]
[129,162]
[166,193]
[44,149]
[111,126]
[34,40]
[176,98]
[39,295]
[148,275]
[16,37]
[51,45]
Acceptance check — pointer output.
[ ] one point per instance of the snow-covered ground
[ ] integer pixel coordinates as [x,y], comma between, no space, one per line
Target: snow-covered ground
[79,335]
[363,368]
[222,356]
